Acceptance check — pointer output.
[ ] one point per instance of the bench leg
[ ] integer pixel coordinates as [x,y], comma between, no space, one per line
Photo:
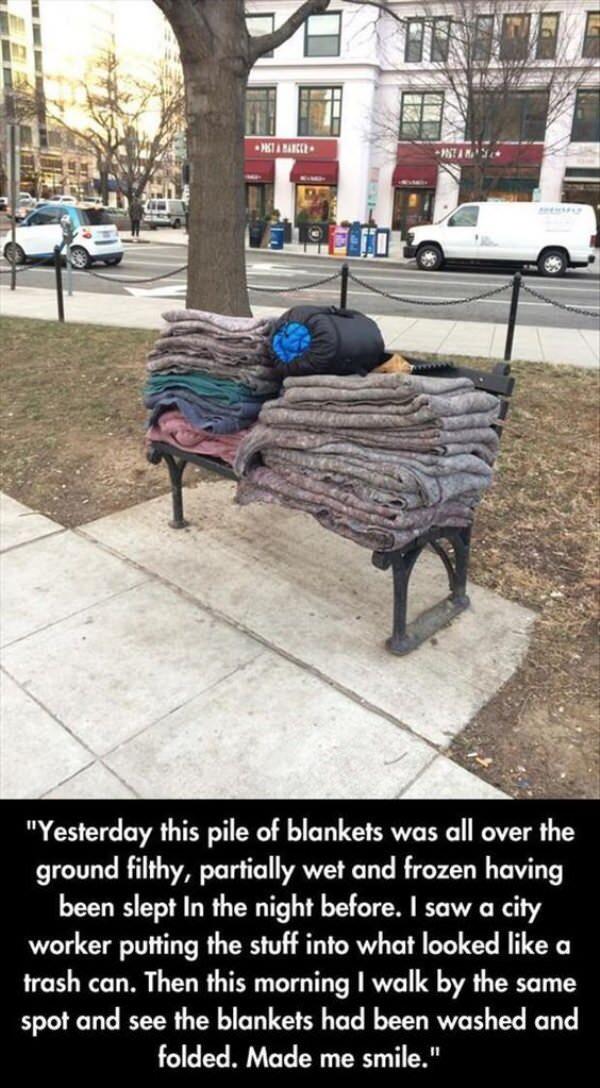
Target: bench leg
[176,469]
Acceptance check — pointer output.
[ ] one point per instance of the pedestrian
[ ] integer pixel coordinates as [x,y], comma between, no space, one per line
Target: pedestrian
[136,212]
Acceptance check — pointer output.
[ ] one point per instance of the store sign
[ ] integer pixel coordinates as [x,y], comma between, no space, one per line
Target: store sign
[464,154]
[256,148]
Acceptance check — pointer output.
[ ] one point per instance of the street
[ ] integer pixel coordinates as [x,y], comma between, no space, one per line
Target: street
[267,269]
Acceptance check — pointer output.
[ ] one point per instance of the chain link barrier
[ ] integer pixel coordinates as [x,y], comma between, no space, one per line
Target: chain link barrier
[119,279]
[559,305]
[302,287]
[26,267]
[428,302]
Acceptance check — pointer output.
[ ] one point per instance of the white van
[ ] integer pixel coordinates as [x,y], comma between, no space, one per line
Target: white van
[164,213]
[552,236]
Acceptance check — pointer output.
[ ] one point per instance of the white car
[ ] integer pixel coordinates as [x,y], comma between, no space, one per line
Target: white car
[95,236]
[552,236]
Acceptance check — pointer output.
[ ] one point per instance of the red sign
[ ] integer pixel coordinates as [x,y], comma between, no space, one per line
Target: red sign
[318,173]
[417,175]
[266,147]
[462,154]
[259,170]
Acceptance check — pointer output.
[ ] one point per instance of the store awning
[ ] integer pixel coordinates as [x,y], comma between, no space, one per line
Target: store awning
[259,170]
[314,173]
[415,175]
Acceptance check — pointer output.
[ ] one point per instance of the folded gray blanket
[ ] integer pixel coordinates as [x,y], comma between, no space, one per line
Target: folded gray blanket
[219,322]
[377,533]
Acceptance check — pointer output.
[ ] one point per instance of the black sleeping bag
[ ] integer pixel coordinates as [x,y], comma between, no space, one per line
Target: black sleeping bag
[325,340]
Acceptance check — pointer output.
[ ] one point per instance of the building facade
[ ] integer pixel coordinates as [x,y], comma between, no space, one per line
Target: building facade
[355,115]
[51,48]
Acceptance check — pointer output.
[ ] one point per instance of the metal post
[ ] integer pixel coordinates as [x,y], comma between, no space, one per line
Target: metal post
[344,286]
[512,316]
[59,287]
[12,130]
[69,270]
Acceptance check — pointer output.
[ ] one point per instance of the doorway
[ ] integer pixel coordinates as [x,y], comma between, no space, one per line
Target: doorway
[259,200]
[411,207]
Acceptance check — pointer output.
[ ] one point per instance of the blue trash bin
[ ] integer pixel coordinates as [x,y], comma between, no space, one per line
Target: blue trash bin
[277,236]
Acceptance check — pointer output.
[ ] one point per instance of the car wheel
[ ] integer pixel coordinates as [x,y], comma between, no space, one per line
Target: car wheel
[114,260]
[19,253]
[429,258]
[552,263]
[80,258]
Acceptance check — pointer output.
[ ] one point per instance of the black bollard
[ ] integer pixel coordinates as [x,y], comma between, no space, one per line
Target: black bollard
[512,316]
[59,286]
[344,287]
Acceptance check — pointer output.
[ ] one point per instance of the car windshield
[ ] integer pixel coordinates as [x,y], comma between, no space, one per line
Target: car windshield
[94,217]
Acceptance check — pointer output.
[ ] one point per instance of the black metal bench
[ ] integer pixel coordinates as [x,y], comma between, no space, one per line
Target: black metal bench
[405,637]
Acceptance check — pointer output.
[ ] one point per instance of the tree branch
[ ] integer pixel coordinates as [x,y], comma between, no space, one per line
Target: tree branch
[267,42]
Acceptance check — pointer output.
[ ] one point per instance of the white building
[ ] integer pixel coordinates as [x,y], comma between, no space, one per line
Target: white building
[353,115]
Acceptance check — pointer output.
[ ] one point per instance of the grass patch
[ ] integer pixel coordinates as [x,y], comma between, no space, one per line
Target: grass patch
[72,448]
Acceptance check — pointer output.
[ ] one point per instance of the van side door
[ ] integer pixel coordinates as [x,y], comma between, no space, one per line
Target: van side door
[461,236]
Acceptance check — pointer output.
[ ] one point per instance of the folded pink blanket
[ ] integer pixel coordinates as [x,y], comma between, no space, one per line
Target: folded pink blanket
[174,428]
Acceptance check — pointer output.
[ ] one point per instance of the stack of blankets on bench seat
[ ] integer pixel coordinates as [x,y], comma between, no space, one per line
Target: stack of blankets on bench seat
[208,377]
[379,459]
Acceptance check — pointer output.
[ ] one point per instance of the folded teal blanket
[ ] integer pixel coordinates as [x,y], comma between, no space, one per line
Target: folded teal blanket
[225,391]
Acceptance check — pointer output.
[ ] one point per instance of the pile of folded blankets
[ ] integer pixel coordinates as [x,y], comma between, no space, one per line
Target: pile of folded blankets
[379,459]
[208,377]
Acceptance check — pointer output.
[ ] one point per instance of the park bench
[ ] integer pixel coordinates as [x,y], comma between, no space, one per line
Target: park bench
[405,637]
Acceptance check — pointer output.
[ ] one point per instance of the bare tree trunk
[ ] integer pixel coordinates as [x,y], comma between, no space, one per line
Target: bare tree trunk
[103,172]
[216,98]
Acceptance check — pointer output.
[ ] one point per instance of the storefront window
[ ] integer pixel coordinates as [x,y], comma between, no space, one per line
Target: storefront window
[586,120]
[316,203]
[259,200]
[260,111]
[257,25]
[498,184]
[421,116]
[320,111]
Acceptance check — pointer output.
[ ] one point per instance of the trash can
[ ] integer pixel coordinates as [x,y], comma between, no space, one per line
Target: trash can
[255,233]
[277,236]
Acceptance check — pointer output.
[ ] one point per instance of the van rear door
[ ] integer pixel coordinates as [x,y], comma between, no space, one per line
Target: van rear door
[461,234]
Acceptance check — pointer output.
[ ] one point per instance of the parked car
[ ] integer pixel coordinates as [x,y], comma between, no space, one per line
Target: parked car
[95,237]
[25,202]
[552,236]
[164,213]
[3,203]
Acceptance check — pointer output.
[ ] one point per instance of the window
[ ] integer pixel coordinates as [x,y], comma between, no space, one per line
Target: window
[7,77]
[465,217]
[17,26]
[3,23]
[6,51]
[413,46]
[25,135]
[45,216]
[260,111]
[515,37]
[482,39]
[421,116]
[257,25]
[19,53]
[440,39]
[35,9]
[586,120]
[37,35]
[520,116]
[591,41]
[55,139]
[316,204]
[322,35]
[320,111]
[38,60]
[547,36]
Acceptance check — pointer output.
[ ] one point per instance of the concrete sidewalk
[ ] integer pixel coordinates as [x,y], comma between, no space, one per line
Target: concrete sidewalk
[576,347]
[225,660]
